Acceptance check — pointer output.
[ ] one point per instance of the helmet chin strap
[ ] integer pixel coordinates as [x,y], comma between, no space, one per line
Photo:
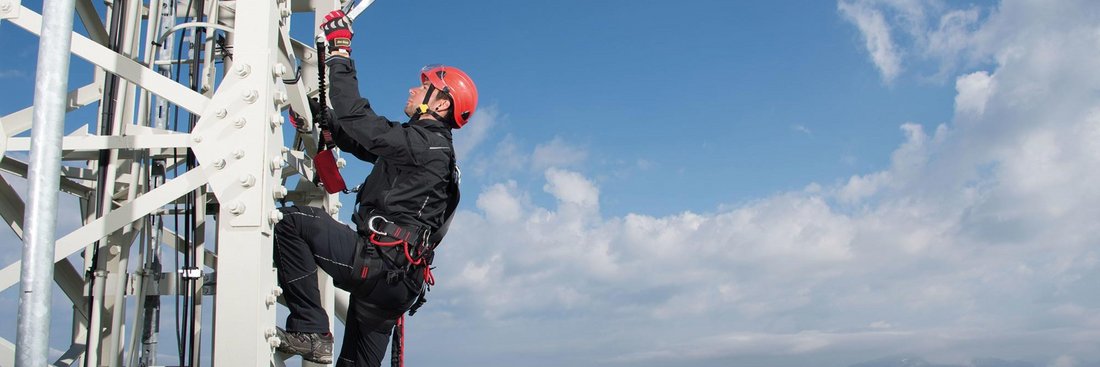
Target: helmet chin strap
[423,108]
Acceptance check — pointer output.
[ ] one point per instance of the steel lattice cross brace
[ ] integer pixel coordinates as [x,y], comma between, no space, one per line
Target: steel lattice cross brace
[239,169]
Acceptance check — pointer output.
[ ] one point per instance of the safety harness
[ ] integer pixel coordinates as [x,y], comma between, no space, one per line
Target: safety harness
[417,250]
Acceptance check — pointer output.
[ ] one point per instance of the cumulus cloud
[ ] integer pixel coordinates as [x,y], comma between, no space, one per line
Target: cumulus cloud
[978,240]
[898,34]
[557,153]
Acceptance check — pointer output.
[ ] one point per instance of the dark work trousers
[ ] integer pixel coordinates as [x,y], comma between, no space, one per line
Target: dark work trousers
[308,237]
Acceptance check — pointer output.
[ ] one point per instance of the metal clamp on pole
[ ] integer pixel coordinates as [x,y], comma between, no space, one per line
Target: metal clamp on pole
[190,273]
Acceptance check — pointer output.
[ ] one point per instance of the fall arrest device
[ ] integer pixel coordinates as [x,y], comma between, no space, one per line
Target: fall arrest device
[327,172]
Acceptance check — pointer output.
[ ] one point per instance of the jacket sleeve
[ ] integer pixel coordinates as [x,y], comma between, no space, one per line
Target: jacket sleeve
[357,129]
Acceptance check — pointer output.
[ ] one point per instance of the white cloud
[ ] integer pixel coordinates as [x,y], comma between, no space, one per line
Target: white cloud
[974,90]
[899,34]
[876,36]
[500,203]
[571,188]
[471,135]
[557,153]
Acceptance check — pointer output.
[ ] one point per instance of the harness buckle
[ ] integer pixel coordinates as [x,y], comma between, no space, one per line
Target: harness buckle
[370,225]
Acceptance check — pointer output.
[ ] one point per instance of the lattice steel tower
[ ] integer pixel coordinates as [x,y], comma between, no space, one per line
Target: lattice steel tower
[188,140]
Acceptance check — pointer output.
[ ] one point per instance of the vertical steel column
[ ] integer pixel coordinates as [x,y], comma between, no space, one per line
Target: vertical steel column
[51,84]
[244,317]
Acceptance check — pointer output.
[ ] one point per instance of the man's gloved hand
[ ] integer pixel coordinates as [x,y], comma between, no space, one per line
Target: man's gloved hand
[337,28]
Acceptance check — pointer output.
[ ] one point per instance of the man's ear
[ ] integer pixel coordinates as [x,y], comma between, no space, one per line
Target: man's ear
[442,104]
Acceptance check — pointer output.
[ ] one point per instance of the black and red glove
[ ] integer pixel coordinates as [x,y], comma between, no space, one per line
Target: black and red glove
[337,28]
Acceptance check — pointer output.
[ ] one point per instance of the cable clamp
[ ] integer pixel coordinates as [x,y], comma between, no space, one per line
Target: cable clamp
[190,273]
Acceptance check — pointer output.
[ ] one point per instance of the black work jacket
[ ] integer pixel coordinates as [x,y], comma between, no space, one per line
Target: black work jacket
[413,162]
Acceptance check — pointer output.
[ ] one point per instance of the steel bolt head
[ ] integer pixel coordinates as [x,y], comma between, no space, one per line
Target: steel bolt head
[197,138]
[247,180]
[250,96]
[5,6]
[243,70]
[278,70]
[276,121]
[276,216]
[239,153]
[281,98]
[222,113]
[240,122]
[219,164]
[279,192]
[274,341]
[237,208]
[277,163]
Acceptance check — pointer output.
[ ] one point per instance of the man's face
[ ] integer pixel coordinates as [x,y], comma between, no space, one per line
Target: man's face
[416,97]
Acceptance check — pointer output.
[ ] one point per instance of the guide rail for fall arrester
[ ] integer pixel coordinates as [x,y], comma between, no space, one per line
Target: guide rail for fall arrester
[324,162]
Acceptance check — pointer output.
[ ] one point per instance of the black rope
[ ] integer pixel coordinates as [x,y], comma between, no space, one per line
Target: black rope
[105,128]
[181,326]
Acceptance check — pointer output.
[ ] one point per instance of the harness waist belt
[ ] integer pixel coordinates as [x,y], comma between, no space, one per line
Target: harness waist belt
[415,236]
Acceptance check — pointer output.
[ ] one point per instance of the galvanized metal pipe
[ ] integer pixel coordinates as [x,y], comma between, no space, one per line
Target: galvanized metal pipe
[50,92]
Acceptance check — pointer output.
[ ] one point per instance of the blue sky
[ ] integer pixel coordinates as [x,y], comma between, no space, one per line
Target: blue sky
[711,183]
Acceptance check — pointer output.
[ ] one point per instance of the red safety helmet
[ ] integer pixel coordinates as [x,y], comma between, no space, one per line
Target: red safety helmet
[458,85]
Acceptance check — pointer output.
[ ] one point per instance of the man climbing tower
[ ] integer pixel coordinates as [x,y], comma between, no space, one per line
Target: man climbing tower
[402,210]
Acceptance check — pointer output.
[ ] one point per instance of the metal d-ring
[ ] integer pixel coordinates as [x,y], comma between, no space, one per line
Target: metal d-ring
[370,224]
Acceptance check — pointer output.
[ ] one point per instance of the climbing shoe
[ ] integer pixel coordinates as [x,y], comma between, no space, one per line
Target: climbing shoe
[313,347]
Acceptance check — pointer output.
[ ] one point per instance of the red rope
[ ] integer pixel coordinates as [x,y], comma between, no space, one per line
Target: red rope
[428,277]
[401,327]
[374,240]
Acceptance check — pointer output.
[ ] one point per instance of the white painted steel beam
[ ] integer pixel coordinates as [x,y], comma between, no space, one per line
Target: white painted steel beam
[99,142]
[90,18]
[11,208]
[7,353]
[122,66]
[115,219]
[170,238]
[20,168]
